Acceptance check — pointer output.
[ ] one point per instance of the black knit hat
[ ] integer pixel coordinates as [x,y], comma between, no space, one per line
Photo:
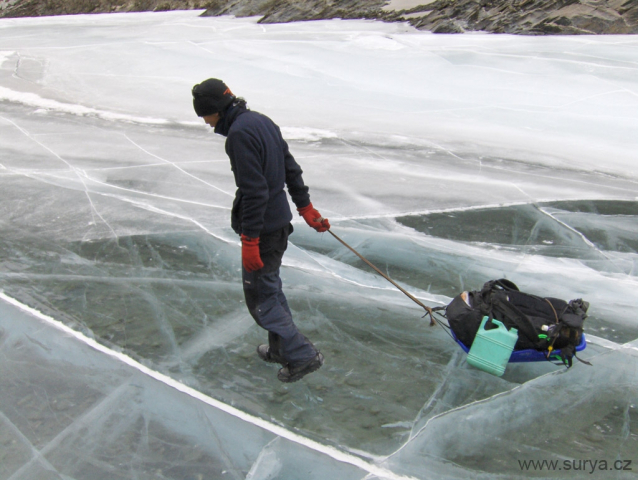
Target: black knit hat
[211,96]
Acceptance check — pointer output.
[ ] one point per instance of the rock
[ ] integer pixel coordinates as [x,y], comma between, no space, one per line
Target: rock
[446,26]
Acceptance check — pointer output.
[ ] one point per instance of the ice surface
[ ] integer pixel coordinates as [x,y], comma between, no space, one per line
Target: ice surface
[446,160]
[71,412]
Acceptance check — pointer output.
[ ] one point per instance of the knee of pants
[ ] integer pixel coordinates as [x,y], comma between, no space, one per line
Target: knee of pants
[251,294]
[263,296]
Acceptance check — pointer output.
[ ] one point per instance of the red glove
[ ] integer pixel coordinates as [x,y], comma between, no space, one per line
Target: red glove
[314,218]
[250,254]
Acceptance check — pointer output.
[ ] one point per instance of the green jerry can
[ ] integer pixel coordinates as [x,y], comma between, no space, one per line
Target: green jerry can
[491,349]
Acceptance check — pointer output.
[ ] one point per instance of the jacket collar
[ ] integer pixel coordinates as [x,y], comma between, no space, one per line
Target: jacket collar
[224,124]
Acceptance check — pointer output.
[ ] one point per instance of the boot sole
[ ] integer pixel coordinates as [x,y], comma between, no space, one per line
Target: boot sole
[312,367]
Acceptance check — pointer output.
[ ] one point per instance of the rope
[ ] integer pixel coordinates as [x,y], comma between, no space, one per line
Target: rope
[428,310]
[553,309]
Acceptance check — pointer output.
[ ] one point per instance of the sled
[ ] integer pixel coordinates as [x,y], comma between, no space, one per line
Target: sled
[531,355]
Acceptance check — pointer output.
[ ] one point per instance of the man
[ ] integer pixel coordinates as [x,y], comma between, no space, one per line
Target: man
[262,166]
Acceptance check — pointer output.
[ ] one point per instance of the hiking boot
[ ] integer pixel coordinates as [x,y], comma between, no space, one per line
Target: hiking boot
[290,373]
[267,355]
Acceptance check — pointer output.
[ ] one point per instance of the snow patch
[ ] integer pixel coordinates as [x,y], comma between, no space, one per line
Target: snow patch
[397,5]
[377,42]
[4,56]
[42,104]
[306,134]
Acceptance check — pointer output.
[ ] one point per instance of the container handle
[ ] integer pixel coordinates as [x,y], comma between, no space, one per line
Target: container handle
[487,319]
[497,322]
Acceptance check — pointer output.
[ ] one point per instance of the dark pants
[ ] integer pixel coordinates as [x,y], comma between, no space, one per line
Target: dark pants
[268,305]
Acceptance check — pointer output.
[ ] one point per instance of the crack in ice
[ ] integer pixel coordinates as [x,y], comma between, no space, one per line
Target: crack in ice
[80,174]
[177,166]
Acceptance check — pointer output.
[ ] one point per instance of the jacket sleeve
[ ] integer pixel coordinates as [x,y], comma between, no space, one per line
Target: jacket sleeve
[245,151]
[294,181]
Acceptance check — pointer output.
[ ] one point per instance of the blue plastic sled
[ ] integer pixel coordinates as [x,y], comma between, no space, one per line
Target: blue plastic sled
[531,355]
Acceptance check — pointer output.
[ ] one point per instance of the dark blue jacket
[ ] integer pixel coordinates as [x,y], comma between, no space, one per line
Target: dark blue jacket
[262,166]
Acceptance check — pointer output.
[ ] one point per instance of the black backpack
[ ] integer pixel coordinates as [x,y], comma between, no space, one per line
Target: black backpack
[543,324]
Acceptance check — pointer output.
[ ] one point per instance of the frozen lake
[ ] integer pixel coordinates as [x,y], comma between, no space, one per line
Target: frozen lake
[447,160]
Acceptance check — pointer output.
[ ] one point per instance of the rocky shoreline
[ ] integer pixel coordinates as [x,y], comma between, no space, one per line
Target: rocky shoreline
[529,17]
[524,17]
[41,8]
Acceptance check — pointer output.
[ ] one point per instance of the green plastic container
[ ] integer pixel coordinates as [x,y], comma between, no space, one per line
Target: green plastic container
[491,349]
